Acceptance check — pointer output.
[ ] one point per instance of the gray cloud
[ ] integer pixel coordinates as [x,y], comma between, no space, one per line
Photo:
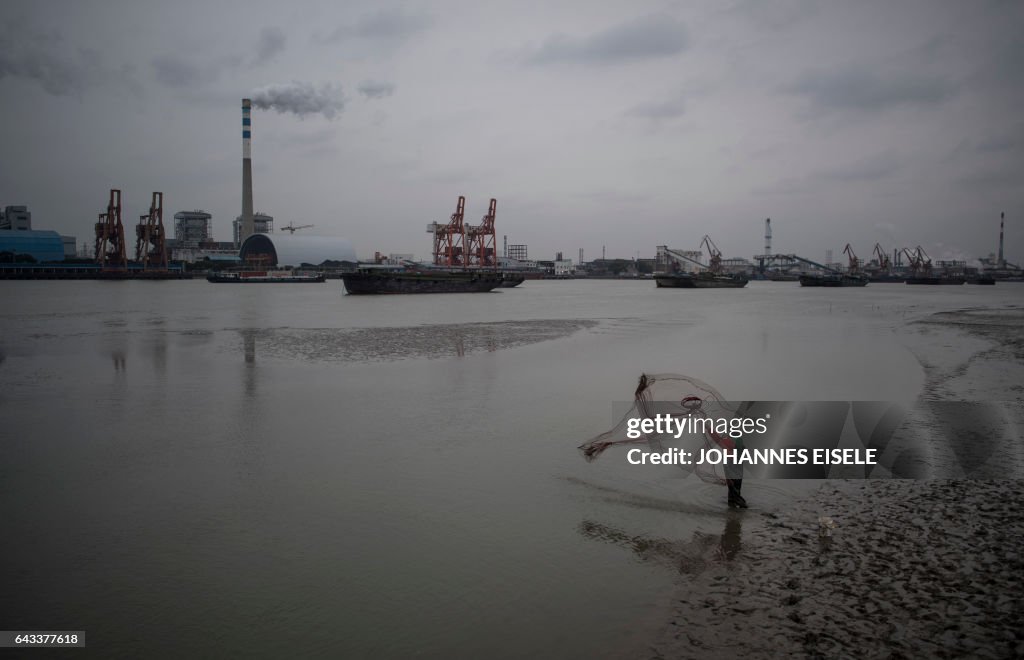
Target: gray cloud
[866,89]
[300,98]
[647,37]
[180,72]
[659,110]
[176,72]
[271,42]
[874,168]
[777,15]
[388,24]
[55,75]
[373,89]
[44,57]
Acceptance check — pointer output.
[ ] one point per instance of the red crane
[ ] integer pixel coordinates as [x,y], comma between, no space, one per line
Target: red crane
[884,264]
[481,240]
[110,244]
[150,244]
[450,239]
[854,261]
[920,263]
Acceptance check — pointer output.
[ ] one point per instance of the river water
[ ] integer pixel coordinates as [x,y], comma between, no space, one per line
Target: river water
[194,469]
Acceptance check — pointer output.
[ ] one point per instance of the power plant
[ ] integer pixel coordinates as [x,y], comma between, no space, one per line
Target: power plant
[246,229]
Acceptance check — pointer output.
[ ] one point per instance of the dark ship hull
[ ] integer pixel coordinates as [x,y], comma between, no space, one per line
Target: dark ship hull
[700,281]
[510,280]
[935,280]
[833,280]
[245,278]
[369,283]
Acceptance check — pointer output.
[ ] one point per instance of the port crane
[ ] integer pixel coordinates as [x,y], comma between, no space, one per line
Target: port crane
[481,240]
[884,264]
[854,267]
[294,228]
[110,240]
[920,262]
[150,244]
[450,238]
[714,255]
[714,264]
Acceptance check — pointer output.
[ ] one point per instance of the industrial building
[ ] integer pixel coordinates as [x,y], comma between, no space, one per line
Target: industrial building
[295,251]
[37,245]
[518,252]
[16,218]
[192,229]
[40,246]
[261,224]
[253,232]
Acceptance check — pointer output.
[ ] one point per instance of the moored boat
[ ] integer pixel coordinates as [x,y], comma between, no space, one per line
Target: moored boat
[368,282]
[833,280]
[510,280]
[265,277]
[700,281]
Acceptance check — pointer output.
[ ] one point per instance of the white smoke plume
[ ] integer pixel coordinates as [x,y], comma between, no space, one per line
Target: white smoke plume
[300,98]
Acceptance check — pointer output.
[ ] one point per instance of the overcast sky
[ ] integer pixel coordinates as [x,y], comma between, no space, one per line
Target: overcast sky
[618,124]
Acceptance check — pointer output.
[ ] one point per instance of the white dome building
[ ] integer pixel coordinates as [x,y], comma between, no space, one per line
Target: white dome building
[296,250]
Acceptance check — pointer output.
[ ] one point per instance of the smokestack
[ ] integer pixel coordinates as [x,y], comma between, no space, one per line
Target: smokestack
[1002,264]
[247,227]
[768,237]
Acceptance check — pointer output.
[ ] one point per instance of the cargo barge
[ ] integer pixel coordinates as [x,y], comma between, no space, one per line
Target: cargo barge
[699,281]
[370,282]
[87,272]
[833,280]
[927,279]
[265,277]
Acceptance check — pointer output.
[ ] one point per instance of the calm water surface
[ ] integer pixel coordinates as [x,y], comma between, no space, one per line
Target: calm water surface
[195,469]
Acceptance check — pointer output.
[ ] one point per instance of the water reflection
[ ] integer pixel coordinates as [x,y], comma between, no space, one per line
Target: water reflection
[730,544]
[249,353]
[120,363]
[249,346]
[418,341]
[688,557]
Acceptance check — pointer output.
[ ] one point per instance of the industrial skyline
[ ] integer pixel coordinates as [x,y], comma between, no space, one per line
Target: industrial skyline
[628,125]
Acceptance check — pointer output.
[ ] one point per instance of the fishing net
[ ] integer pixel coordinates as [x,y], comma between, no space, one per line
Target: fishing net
[671,400]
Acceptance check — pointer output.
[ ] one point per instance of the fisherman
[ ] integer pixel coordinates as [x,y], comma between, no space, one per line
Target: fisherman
[734,478]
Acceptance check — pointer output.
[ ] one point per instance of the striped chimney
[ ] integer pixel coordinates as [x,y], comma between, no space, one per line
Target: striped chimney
[247,228]
[1002,262]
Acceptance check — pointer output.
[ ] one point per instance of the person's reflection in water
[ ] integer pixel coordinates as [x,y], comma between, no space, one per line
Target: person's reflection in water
[120,363]
[249,347]
[730,544]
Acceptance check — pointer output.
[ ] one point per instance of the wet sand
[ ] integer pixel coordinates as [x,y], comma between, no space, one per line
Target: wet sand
[911,569]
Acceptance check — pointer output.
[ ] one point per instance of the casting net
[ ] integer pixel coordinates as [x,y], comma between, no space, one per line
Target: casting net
[670,399]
